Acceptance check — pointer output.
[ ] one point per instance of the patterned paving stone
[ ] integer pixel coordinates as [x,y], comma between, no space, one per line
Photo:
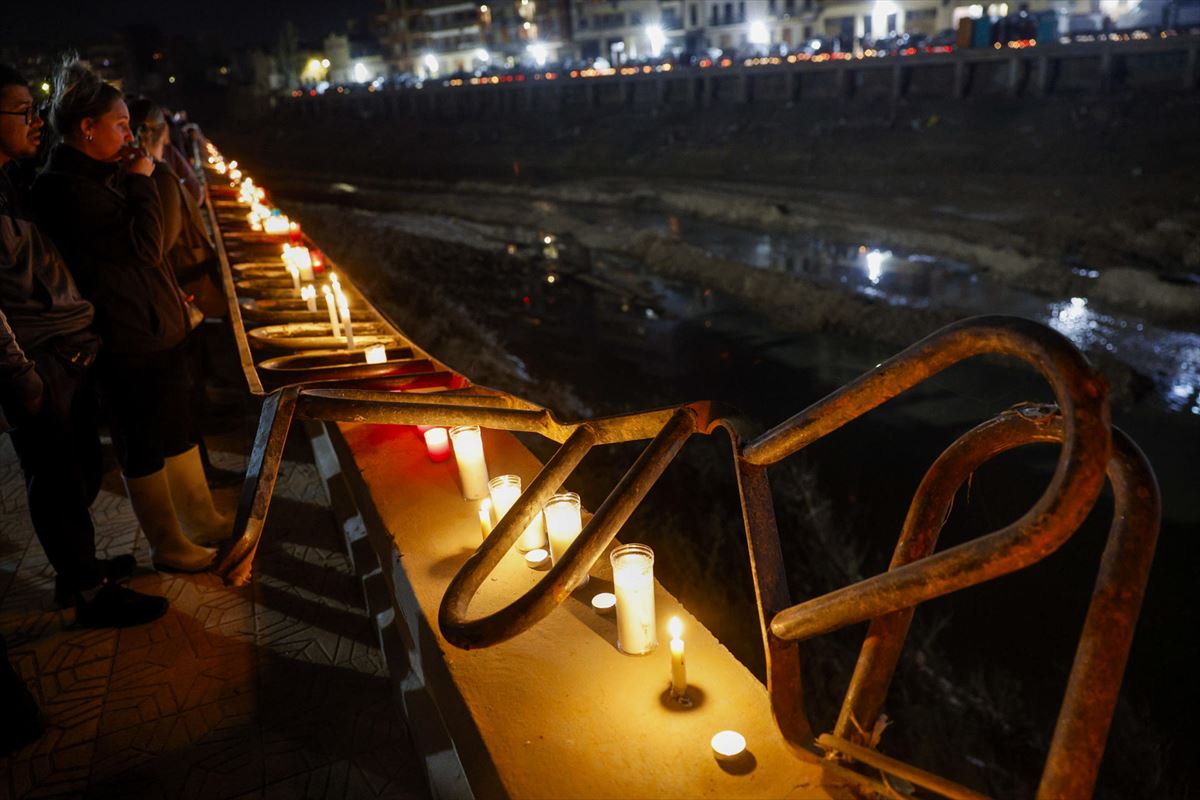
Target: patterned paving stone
[276,689]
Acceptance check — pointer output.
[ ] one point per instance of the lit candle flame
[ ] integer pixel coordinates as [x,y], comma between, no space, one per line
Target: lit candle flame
[675,628]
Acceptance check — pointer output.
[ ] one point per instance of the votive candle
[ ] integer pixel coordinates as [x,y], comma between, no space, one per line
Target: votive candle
[437,444]
[505,490]
[563,523]
[472,467]
[633,583]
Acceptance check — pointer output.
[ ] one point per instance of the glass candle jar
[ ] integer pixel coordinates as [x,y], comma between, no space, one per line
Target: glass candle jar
[633,584]
[436,444]
[472,469]
[505,489]
[564,522]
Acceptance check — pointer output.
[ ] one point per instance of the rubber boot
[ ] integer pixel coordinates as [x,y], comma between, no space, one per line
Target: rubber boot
[200,520]
[169,548]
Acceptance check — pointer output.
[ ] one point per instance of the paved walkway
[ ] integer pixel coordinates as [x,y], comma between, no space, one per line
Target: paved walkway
[276,689]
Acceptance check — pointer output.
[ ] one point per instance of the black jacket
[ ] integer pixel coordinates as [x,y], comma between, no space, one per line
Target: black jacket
[39,301]
[108,224]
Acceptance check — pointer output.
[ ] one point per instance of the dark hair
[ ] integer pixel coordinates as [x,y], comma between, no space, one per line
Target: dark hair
[145,113]
[9,76]
[79,94]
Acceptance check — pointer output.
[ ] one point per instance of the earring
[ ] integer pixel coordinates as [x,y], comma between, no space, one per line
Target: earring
[89,137]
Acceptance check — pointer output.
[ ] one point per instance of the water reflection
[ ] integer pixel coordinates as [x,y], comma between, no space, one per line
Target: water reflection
[1170,358]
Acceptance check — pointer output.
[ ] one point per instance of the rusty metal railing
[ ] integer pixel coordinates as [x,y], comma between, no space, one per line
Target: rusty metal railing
[1079,421]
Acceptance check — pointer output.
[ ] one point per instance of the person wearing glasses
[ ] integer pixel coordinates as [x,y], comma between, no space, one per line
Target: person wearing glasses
[47,391]
[97,201]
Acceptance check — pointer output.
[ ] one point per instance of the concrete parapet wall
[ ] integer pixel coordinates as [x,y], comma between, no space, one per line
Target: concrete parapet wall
[1100,67]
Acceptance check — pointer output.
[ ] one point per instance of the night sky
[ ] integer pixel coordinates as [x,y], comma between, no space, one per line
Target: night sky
[235,22]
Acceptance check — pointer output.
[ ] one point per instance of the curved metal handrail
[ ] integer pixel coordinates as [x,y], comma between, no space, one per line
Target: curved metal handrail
[1086,712]
[1078,477]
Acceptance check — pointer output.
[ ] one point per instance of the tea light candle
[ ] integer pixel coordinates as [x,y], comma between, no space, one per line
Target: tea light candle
[485,516]
[308,293]
[633,580]
[537,559]
[472,467]
[334,328]
[603,603]
[728,745]
[344,310]
[376,354]
[678,667]
[437,444]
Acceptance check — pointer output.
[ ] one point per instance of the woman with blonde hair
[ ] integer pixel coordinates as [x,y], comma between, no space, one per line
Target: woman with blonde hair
[97,201]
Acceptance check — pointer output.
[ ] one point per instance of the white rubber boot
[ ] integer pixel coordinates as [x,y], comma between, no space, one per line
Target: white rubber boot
[169,548]
[199,518]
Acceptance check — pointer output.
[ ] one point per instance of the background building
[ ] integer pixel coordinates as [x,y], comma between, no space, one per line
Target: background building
[435,37]
[632,30]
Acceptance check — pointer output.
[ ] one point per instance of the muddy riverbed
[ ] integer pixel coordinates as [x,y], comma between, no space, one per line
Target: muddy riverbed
[549,300]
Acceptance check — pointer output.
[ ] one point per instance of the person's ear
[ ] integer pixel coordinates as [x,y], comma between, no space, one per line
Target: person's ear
[87,128]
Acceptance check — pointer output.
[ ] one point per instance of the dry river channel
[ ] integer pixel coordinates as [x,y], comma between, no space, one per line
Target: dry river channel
[548,299]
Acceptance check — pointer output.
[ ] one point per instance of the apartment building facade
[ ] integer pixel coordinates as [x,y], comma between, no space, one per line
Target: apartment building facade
[631,30]
[434,38]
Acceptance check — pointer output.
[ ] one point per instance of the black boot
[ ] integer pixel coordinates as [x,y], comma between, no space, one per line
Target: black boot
[117,570]
[114,606]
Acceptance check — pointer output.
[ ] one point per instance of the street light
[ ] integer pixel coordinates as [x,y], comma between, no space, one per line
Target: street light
[361,74]
[538,52]
[657,39]
[431,63]
[759,34]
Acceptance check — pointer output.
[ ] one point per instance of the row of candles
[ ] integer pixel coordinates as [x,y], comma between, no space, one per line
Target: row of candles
[301,263]
[559,522]
[556,527]
[298,261]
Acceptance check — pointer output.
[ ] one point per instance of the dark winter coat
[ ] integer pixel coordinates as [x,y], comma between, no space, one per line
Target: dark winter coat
[108,225]
[39,302]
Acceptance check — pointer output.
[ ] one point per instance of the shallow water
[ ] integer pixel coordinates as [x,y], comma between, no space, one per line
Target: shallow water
[1169,357]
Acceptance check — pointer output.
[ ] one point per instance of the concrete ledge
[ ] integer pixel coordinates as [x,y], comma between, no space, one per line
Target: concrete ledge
[558,711]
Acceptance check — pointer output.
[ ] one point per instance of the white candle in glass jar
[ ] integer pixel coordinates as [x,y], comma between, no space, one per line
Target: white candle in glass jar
[505,490]
[376,354]
[633,583]
[436,444]
[563,522]
[472,467]
[334,328]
